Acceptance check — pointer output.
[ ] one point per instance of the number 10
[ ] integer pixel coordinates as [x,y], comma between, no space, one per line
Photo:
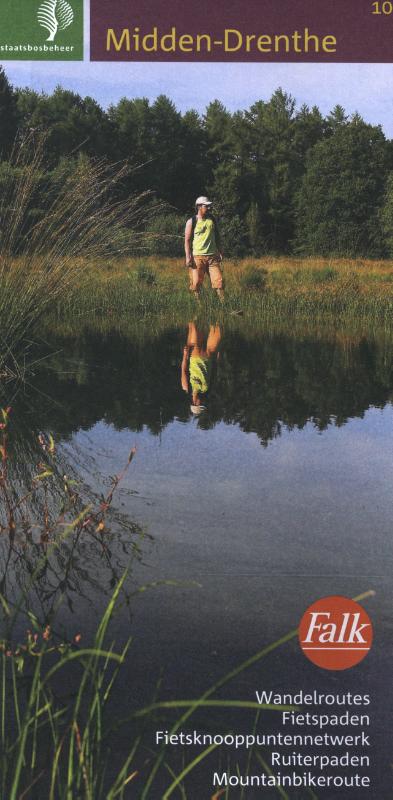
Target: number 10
[382,8]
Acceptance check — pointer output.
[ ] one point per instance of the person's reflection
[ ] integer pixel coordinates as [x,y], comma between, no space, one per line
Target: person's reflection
[199,354]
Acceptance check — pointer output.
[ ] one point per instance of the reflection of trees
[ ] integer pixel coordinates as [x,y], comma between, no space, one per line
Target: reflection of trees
[270,383]
[262,383]
[60,541]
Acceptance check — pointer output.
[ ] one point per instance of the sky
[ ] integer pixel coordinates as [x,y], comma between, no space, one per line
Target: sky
[363,88]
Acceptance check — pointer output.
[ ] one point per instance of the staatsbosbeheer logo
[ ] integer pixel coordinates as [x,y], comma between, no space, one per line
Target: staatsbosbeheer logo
[41,30]
[335,633]
[55,15]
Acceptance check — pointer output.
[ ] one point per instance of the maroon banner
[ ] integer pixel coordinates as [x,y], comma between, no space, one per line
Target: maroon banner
[253,30]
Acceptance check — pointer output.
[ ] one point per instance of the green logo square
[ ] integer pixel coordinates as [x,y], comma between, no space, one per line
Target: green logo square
[41,30]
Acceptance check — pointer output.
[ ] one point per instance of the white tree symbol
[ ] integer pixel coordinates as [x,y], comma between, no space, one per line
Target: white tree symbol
[55,15]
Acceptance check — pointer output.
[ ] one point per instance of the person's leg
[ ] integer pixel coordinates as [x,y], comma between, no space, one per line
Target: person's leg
[192,337]
[213,339]
[198,274]
[195,339]
[216,279]
[220,294]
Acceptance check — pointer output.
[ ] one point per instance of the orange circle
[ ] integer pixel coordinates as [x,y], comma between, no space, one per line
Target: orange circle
[335,633]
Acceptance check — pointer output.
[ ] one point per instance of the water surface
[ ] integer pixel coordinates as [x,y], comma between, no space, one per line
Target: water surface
[237,518]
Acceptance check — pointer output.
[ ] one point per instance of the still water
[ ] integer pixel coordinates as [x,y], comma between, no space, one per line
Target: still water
[261,481]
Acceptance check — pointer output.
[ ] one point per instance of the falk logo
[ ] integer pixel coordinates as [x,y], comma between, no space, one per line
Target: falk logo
[55,15]
[335,633]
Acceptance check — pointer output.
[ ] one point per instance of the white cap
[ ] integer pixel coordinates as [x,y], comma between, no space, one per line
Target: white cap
[203,201]
[196,410]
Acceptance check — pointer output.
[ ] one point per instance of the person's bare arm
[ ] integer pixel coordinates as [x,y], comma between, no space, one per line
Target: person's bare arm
[187,243]
[184,368]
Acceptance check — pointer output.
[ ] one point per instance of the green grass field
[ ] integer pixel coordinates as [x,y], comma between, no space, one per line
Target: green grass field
[257,286]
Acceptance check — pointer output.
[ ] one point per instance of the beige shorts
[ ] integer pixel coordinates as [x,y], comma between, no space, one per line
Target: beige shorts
[206,264]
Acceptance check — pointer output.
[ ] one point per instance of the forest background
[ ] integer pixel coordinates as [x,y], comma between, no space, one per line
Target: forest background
[284,180]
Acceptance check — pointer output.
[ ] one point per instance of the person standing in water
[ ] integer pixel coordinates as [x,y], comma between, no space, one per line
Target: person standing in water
[199,354]
[203,248]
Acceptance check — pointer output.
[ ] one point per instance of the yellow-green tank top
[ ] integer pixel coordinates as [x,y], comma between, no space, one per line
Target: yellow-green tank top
[204,242]
[200,372]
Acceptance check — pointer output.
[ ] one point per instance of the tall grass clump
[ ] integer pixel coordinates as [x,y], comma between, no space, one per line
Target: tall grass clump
[254,279]
[53,745]
[146,275]
[57,732]
[41,257]
[324,275]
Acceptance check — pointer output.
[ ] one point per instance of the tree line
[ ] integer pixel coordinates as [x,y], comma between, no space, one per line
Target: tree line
[284,180]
